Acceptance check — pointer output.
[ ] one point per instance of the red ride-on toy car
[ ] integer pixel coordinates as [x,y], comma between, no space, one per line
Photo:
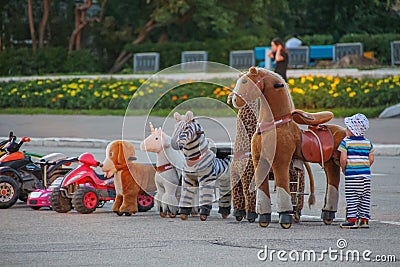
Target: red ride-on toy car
[85,190]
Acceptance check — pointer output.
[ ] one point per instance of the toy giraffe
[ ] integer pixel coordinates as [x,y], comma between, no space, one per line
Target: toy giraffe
[242,169]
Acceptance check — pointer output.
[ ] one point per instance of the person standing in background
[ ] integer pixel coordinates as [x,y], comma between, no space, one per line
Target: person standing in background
[280,55]
[293,42]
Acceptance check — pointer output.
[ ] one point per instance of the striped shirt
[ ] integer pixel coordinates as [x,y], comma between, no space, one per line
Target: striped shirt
[358,149]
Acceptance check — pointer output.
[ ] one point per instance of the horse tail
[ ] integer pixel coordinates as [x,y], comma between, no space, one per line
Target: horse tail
[311,198]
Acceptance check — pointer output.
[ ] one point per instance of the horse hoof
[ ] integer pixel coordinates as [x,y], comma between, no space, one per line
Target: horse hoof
[119,213]
[224,216]
[286,225]
[252,216]
[127,213]
[184,217]
[264,219]
[239,218]
[162,214]
[203,217]
[328,221]
[171,215]
[296,217]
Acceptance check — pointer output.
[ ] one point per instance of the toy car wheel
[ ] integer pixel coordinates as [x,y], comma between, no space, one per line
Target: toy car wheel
[58,202]
[85,200]
[145,202]
[23,196]
[9,191]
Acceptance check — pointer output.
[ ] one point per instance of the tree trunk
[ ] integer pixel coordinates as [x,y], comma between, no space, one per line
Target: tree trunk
[81,22]
[43,23]
[32,26]
[124,56]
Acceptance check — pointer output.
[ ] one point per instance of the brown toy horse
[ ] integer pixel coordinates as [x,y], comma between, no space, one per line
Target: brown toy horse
[279,139]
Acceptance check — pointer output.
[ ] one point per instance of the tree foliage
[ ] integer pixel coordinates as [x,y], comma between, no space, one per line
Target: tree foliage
[153,21]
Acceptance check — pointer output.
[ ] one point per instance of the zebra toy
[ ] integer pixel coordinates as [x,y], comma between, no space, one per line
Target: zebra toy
[203,171]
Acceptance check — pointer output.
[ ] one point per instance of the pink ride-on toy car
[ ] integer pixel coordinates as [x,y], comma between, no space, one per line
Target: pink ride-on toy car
[40,197]
[85,190]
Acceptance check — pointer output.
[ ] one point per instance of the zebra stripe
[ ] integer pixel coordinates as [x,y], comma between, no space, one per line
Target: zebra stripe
[206,170]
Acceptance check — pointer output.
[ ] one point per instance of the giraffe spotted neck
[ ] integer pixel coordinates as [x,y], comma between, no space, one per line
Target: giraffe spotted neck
[246,125]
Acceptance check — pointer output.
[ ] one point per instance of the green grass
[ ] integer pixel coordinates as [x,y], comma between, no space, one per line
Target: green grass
[338,112]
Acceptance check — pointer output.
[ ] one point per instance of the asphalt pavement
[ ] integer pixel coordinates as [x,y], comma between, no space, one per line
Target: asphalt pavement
[48,238]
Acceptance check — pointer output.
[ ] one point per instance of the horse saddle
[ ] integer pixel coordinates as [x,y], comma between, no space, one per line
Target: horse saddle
[302,117]
[317,144]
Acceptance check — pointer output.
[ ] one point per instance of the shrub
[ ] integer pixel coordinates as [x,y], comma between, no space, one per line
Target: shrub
[317,39]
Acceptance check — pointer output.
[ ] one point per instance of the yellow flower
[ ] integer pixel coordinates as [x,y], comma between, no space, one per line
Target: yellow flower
[96,94]
[233,85]
[40,82]
[23,96]
[335,95]
[352,94]
[60,95]
[73,93]
[366,91]
[290,81]
[321,84]
[330,92]
[132,87]
[329,78]
[216,91]
[315,87]
[114,95]
[348,89]
[298,91]
[141,93]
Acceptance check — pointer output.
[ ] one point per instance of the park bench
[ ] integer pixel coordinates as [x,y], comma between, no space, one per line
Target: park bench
[194,60]
[241,59]
[395,52]
[146,62]
[344,49]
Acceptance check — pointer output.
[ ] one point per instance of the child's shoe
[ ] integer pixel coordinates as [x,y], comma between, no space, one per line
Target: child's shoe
[350,224]
[364,223]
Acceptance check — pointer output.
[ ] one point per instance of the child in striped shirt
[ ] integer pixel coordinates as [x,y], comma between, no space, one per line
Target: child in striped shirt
[355,159]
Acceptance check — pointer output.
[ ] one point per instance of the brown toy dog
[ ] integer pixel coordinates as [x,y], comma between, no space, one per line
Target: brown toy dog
[130,178]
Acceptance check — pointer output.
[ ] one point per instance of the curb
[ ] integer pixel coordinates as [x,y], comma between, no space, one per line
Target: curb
[390,150]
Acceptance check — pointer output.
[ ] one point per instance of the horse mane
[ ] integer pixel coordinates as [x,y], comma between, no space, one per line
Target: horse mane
[285,85]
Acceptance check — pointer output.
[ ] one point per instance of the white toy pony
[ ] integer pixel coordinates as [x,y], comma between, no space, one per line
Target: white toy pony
[168,171]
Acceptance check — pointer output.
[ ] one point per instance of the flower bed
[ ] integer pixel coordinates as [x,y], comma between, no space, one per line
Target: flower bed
[308,92]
